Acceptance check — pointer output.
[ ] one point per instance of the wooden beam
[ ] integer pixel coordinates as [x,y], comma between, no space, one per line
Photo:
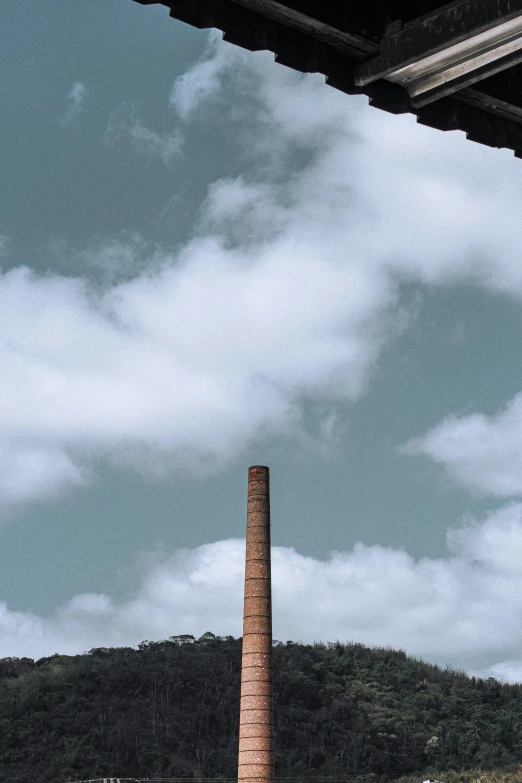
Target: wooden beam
[466,80]
[434,32]
[347,43]
[490,104]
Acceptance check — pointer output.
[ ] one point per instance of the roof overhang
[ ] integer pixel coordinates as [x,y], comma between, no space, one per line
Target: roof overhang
[441,53]
[456,66]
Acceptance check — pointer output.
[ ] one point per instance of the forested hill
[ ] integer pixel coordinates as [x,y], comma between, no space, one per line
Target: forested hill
[171,709]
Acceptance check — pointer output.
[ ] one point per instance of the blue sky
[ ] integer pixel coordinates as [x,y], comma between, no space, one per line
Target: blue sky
[210,261]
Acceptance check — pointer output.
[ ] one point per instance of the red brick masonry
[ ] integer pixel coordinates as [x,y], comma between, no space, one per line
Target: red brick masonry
[256,725]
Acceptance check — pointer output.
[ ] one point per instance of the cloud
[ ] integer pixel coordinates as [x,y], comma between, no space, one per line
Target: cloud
[32,472]
[203,82]
[428,206]
[483,453]
[158,370]
[287,291]
[76,96]
[465,609]
[109,260]
[124,123]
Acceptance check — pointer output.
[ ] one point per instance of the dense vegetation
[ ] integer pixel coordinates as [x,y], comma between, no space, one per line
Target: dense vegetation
[513,775]
[171,709]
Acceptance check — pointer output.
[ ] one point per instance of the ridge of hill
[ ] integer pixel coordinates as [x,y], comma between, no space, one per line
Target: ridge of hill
[170,709]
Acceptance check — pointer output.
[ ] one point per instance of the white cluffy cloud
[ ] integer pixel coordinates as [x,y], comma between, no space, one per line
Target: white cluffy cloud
[465,609]
[76,96]
[204,80]
[483,453]
[161,369]
[288,290]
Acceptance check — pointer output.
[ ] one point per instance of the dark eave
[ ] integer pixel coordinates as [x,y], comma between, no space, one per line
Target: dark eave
[394,51]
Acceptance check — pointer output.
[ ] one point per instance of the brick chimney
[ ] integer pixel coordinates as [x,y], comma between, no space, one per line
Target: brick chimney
[256,723]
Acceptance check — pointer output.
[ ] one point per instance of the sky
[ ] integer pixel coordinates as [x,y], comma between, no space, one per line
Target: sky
[209,262]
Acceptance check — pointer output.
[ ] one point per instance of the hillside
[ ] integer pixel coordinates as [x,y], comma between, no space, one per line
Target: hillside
[171,709]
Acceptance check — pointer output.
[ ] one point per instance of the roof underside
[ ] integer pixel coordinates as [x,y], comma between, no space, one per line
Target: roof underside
[361,47]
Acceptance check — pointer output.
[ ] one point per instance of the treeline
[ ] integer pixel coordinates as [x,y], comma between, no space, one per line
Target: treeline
[171,708]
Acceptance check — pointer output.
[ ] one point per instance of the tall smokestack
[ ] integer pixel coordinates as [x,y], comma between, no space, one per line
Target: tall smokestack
[256,723]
